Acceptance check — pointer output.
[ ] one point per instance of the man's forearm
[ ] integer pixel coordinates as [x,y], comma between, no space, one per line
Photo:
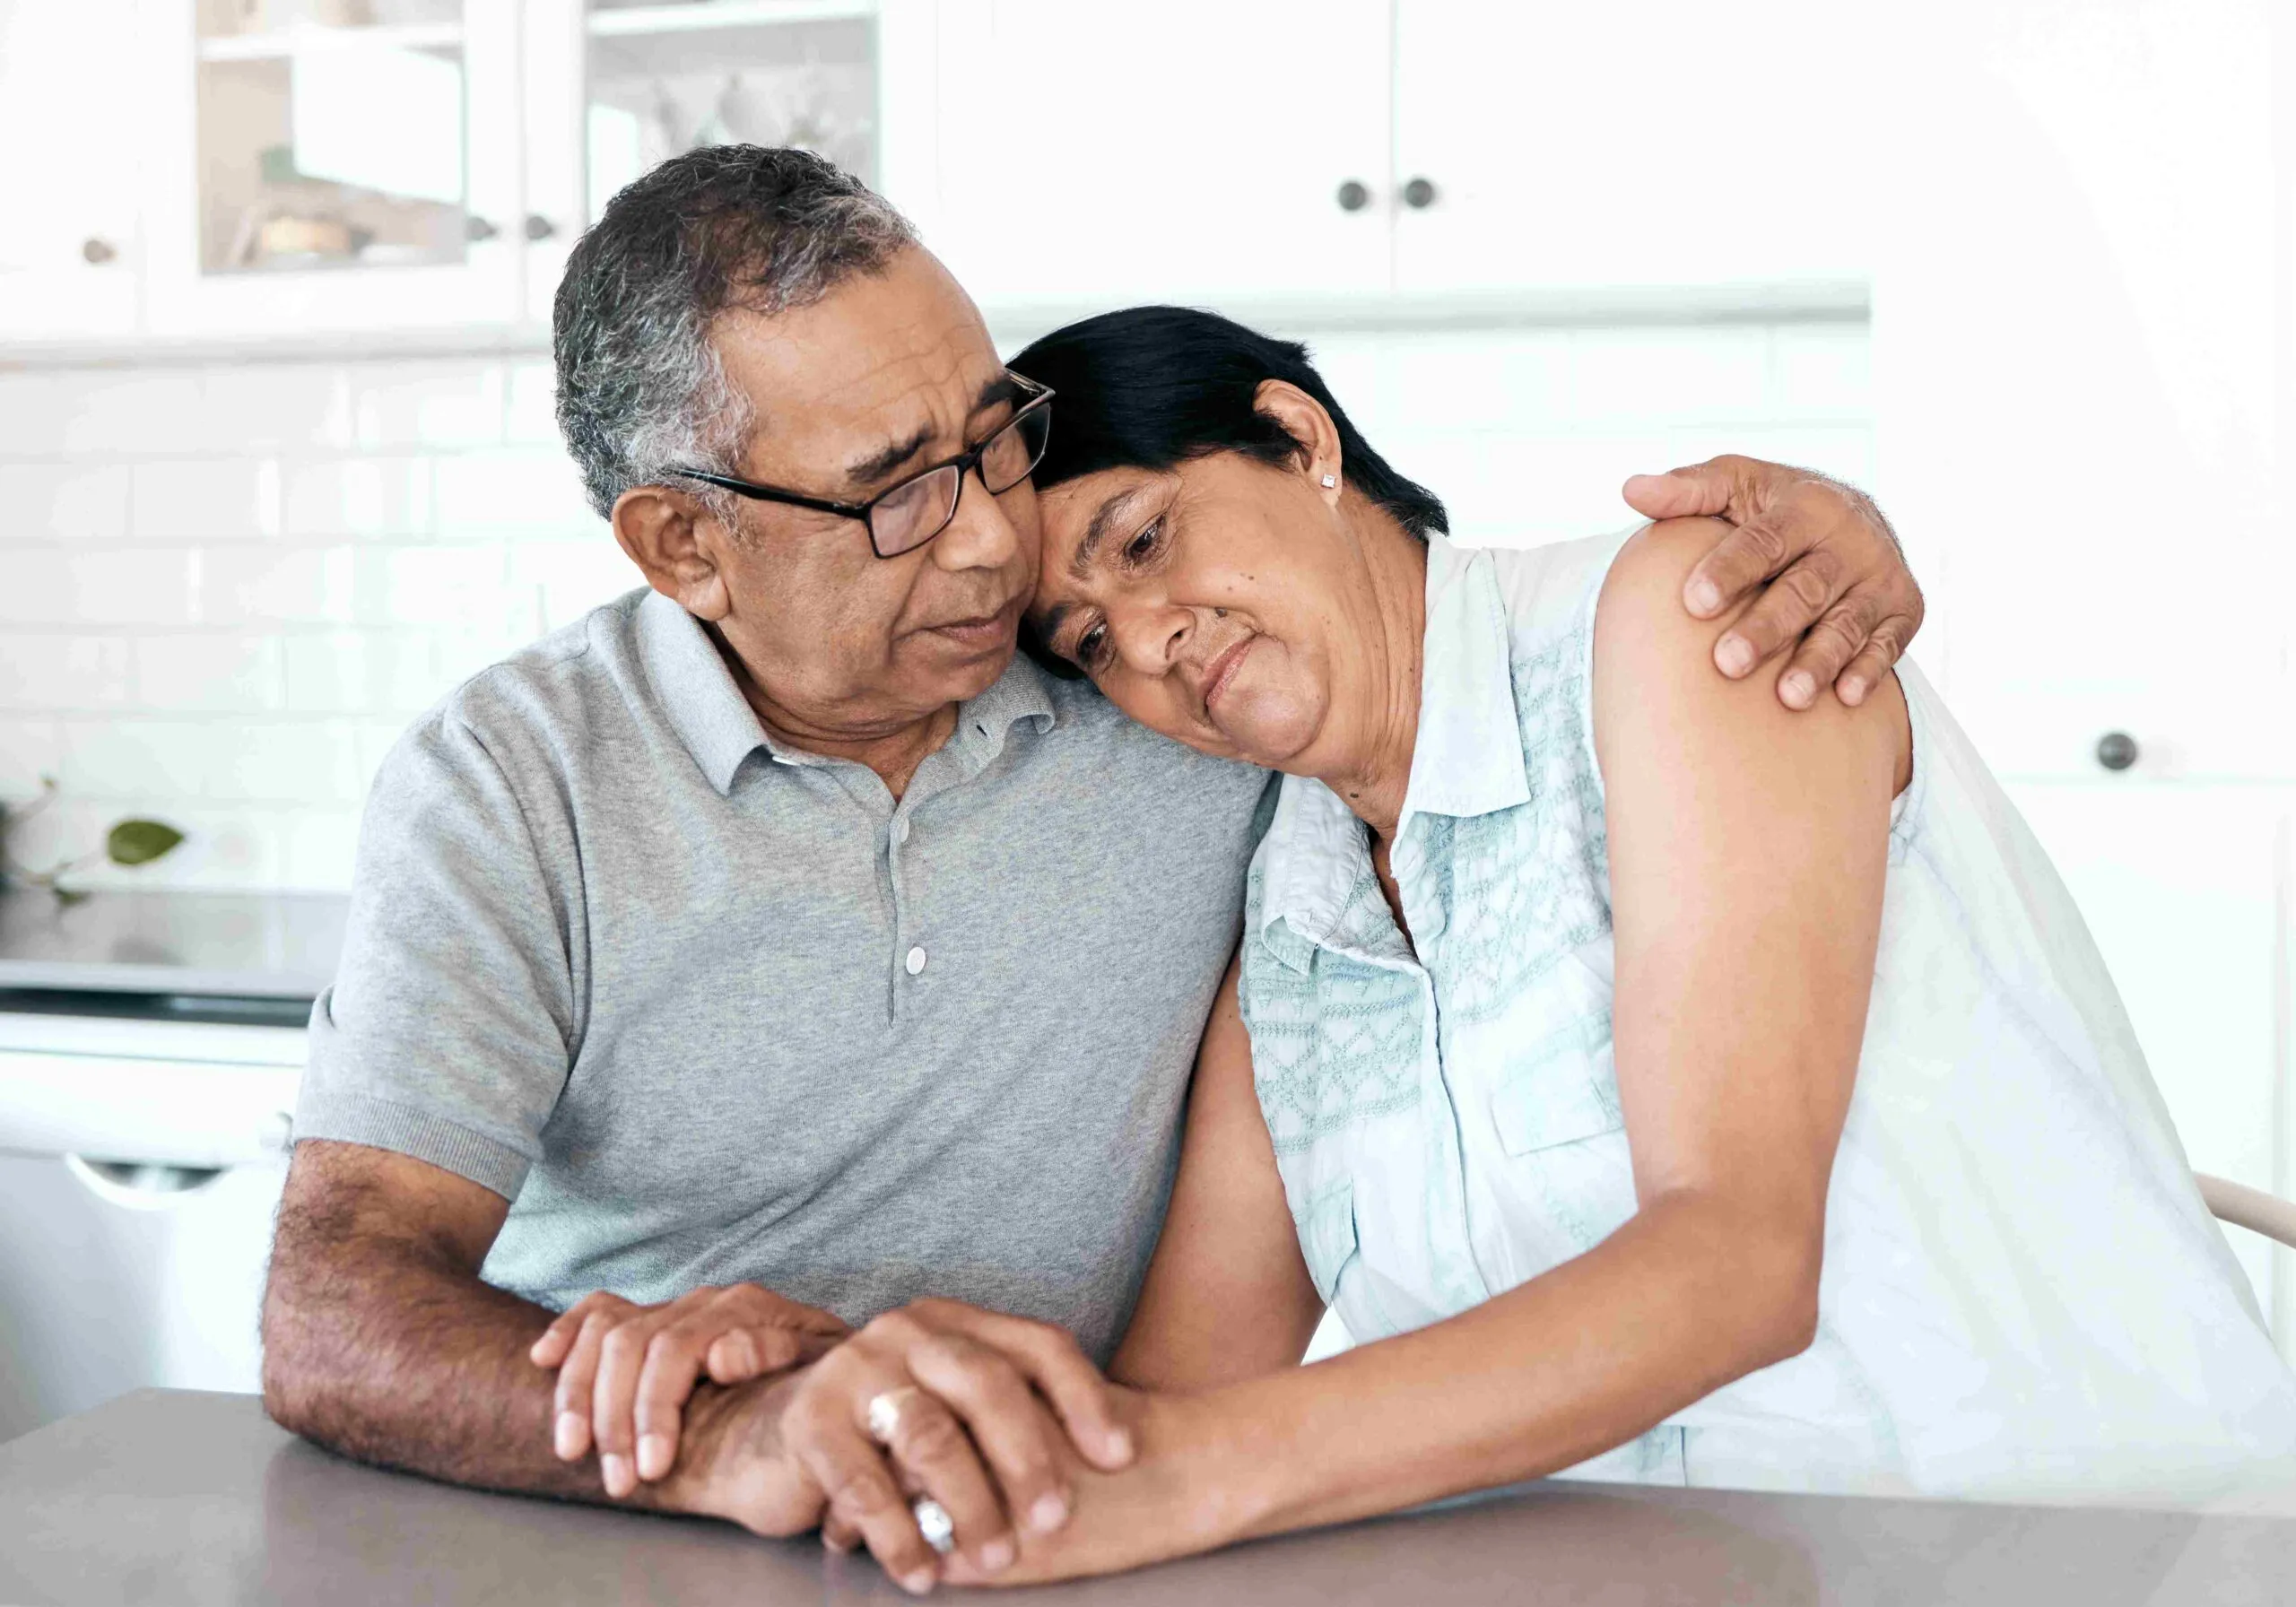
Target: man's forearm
[388,1354]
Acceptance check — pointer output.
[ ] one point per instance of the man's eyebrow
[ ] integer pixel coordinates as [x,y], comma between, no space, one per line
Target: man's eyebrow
[1080,562]
[868,471]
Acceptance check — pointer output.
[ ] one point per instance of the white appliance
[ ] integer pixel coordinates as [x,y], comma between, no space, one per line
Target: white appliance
[143,1144]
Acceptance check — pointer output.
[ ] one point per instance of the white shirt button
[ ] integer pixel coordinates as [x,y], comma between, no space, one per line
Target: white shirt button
[916,961]
[900,830]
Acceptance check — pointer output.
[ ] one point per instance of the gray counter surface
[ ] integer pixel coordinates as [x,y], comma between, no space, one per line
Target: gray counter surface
[274,945]
[166,1497]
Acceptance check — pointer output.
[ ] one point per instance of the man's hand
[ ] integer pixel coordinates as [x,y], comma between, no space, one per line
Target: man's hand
[625,1371]
[1838,582]
[967,1394]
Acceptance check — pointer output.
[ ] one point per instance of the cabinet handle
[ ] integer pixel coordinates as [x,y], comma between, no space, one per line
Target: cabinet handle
[1419,195]
[539,228]
[1354,196]
[2117,749]
[98,252]
[479,228]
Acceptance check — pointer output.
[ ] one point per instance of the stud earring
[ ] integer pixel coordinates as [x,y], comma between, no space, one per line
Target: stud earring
[1330,480]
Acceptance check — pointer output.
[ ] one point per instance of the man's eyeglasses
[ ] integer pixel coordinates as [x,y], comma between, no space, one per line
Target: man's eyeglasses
[910,514]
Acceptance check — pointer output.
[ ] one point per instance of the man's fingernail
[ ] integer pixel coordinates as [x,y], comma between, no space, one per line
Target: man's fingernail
[569,1435]
[918,1584]
[1734,654]
[997,1556]
[1852,690]
[1705,596]
[618,1477]
[835,1544]
[1048,1513]
[1119,1445]
[653,1455]
[1797,689]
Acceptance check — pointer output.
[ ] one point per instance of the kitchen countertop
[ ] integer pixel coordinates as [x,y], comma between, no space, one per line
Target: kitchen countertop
[179,1496]
[268,945]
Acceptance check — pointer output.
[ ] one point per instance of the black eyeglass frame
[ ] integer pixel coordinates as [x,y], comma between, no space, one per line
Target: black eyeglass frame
[966,463]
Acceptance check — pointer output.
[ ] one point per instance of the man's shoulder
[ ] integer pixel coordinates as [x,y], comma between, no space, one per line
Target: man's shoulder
[532,705]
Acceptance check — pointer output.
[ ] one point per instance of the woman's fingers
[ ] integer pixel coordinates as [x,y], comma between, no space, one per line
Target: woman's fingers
[862,1500]
[1006,1422]
[936,1456]
[1083,1398]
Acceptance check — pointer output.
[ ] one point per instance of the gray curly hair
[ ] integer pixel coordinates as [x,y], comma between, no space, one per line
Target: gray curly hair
[640,388]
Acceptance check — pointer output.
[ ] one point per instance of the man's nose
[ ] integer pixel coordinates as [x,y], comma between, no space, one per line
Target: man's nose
[981,537]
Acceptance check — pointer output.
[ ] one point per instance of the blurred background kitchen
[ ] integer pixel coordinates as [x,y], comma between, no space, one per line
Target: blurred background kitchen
[278,465]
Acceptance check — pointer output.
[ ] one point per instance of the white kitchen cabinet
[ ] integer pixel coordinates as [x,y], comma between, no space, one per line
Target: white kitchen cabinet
[2186,890]
[1193,149]
[2081,373]
[70,245]
[317,165]
[1634,143]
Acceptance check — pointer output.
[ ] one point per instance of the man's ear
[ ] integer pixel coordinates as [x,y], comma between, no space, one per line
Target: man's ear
[1305,421]
[675,541]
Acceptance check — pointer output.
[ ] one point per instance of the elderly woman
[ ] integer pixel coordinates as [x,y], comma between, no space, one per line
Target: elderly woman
[1661,1086]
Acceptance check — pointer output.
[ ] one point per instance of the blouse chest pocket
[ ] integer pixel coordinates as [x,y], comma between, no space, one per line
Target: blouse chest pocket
[1558,1089]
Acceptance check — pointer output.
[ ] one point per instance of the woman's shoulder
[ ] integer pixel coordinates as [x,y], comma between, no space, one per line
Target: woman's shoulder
[1549,591]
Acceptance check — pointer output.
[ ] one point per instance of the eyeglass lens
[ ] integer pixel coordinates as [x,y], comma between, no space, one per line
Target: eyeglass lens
[908,516]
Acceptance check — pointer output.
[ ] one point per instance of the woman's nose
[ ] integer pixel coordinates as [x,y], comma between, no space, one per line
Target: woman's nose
[1150,637]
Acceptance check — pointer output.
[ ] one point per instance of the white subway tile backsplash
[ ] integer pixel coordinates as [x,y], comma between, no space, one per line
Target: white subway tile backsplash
[63,502]
[206,499]
[109,413]
[532,419]
[228,673]
[359,496]
[225,592]
[58,672]
[443,404]
[532,491]
[273,585]
[278,407]
[357,672]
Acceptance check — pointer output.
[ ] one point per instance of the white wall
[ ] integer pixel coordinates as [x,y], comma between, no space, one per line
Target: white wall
[225,590]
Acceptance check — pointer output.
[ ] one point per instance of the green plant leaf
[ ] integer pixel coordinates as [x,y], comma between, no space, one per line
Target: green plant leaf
[140,842]
[68,896]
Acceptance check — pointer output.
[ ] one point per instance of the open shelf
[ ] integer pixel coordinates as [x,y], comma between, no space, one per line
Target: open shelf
[285,43]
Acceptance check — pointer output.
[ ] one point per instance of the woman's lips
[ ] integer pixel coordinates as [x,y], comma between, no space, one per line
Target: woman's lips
[1223,669]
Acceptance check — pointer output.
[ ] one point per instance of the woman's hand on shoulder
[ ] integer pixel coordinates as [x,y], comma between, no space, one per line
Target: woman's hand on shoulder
[1814,563]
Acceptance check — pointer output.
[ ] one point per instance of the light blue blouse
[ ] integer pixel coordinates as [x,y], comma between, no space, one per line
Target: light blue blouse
[2023,1294]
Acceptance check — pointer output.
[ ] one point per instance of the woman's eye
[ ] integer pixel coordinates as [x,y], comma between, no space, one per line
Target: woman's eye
[1138,548]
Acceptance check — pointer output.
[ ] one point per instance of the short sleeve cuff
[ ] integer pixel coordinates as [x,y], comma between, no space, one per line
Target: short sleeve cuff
[355,1119]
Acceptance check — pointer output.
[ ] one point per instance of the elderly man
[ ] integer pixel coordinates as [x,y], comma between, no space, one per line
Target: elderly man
[776,926]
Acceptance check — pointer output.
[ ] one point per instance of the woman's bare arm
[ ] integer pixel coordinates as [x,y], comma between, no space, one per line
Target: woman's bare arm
[1748,850]
[1227,1296]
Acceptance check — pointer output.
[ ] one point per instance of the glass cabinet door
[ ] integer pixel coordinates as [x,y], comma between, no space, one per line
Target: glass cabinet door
[651,80]
[349,162]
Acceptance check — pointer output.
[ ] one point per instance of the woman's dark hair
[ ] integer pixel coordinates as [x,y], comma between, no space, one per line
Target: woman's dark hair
[1151,388]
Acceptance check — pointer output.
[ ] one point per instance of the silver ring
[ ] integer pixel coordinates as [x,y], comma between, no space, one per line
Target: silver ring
[933,1522]
[885,1413]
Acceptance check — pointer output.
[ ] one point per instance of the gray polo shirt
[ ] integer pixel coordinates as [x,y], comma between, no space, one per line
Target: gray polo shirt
[705,1008]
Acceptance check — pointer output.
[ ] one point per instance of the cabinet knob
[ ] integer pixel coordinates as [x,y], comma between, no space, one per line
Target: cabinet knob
[98,252]
[1354,196]
[1419,195]
[478,228]
[2117,749]
[539,228]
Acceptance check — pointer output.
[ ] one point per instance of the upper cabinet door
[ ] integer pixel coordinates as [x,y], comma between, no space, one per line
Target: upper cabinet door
[615,87]
[334,165]
[1191,148]
[1632,143]
[2080,367]
[69,242]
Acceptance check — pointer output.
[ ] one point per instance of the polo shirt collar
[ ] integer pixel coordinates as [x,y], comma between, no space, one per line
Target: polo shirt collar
[720,730]
[1467,758]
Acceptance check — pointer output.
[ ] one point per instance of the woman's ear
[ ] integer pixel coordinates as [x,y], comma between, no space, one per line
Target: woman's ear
[674,541]
[1305,421]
